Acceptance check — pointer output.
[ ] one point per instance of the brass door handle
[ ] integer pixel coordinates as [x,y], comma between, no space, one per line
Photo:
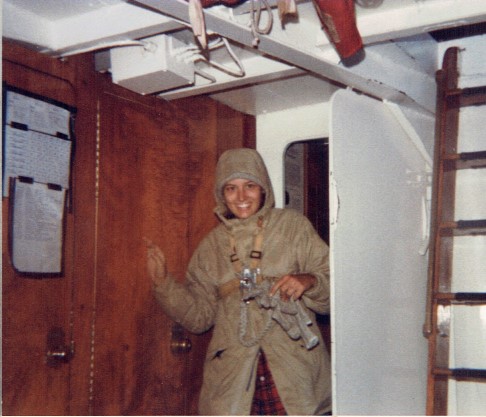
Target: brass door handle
[179,343]
[58,352]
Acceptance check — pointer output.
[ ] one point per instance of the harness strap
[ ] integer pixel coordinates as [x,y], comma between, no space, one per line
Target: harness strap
[235,261]
[230,286]
[255,254]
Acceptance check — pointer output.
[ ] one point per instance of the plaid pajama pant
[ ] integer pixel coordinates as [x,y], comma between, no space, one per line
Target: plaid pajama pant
[266,401]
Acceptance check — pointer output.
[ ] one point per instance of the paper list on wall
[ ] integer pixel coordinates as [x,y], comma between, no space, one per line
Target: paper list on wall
[42,157]
[37,115]
[37,227]
[37,143]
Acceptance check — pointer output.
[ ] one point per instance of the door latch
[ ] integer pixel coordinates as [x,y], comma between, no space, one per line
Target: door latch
[58,352]
[179,343]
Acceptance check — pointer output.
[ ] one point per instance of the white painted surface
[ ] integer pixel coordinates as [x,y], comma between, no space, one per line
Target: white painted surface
[275,131]
[466,398]
[472,126]
[469,265]
[378,277]
[468,329]
[472,65]
[471,183]
[468,333]
[35,29]
[397,64]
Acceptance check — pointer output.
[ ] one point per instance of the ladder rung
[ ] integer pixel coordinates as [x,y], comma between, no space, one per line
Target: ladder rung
[465,160]
[473,155]
[461,373]
[471,96]
[463,228]
[471,224]
[462,297]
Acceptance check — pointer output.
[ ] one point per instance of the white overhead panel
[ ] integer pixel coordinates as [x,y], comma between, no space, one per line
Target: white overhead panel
[278,95]
[394,34]
[395,19]
[85,28]
[25,26]
[297,45]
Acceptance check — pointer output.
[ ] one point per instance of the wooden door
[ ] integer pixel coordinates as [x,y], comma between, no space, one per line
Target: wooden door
[142,192]
[36,310]
[31,383]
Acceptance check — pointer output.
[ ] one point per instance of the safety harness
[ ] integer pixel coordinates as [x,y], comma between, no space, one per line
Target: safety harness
[253,285]
[247,279]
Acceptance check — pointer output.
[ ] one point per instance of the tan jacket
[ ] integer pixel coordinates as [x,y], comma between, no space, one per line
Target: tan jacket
[290,245]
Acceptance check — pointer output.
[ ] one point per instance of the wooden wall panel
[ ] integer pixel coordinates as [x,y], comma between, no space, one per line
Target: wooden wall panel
[154,178]
[212,129]
[143,192]
[84,232]
[235,130]
[32,306]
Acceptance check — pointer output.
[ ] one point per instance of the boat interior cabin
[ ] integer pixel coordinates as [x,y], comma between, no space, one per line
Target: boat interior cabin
[370,116]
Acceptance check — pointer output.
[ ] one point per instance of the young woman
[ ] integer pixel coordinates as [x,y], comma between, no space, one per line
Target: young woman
[258,277]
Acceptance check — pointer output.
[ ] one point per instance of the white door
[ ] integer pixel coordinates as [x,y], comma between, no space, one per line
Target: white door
[378,266]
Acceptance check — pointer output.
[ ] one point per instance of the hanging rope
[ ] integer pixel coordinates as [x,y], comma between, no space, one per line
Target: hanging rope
[255,16]
[244,318]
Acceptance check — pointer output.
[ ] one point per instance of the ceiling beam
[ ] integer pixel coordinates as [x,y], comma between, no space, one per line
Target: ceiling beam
[302,53]
[257,70]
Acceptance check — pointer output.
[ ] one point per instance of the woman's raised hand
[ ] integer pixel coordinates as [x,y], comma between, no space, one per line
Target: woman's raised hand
[156,264]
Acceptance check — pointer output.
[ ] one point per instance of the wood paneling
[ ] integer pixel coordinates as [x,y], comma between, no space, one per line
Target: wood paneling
[32,306]
[143,192]
[84,232]
[142,167]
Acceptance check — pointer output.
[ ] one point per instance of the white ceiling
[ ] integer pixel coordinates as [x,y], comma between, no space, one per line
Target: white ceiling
[294,65]
[53,10]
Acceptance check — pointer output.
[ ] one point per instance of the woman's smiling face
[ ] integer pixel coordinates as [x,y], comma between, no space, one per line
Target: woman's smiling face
[243,197]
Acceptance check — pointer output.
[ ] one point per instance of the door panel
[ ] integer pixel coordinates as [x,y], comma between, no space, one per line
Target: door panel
[142,193]
[32,307]
[378,275]
[29,385]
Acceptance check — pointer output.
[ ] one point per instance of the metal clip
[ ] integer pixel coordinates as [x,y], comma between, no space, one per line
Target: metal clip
[248,278]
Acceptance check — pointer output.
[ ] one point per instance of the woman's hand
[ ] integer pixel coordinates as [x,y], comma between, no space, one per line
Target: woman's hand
[156,264]
[293,286]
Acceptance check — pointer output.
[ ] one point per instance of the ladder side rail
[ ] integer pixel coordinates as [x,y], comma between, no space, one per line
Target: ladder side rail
[446,79]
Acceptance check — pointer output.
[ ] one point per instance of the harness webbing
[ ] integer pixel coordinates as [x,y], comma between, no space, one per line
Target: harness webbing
[255,261]
[255,254]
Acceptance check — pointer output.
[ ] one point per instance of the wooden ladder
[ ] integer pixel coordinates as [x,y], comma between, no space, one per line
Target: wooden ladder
[442,294]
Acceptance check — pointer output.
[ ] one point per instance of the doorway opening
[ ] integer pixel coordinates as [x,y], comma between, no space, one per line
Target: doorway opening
[307,182]
[306,167]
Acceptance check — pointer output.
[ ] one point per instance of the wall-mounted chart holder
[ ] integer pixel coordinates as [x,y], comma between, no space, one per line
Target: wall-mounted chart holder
[38,147]
[36,227]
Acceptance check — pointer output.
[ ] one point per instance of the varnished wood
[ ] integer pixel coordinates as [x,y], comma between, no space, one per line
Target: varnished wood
[32,306]
[212,128]
[155,177]
[439,256]
[447,160]
[142,193]
[83,213]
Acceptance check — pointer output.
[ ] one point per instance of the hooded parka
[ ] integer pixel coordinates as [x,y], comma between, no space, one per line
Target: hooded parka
[290,246]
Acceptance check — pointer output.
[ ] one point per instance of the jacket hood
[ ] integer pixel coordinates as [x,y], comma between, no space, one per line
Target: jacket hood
[241,163]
